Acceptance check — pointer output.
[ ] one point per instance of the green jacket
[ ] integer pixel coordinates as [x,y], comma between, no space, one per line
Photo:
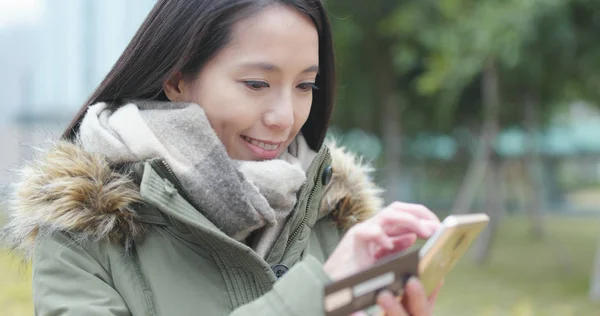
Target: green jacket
[109,242]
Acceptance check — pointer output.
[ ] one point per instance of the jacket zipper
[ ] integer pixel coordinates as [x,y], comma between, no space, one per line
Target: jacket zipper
[303,222]
[171,177]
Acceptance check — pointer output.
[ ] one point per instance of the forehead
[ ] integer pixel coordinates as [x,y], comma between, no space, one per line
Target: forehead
[277,34]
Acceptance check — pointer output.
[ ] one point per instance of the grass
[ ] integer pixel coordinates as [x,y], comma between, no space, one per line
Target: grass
[15,286]
[527,277]
[522,278]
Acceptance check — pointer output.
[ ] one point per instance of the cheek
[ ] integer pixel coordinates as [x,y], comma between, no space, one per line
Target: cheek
[230,116]
[302,112]
[226,105]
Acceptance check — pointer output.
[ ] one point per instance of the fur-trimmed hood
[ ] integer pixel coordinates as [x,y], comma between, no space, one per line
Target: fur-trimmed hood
[70,190]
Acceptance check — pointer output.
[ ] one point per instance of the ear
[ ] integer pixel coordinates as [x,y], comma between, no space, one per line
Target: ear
[175,87]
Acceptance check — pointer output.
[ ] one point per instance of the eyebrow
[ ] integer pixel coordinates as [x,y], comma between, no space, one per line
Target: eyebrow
[274,68]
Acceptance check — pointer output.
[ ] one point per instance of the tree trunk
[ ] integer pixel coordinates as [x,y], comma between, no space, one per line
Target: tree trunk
[494,198]
[493,186]
[475,174]
[535,210]
[392,142]
[391,128]
[556,196]
[595,279]
[480,163]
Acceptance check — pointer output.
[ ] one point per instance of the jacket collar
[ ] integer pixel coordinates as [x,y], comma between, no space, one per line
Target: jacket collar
[70,190]
[161,194]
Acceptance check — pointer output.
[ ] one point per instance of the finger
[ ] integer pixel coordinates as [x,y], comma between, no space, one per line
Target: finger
[371,233]
[404,241]
[416,301]
[401,242]
[361,313]
[433,226]
[433,297]
[418,210]
[395,223]
[390,305]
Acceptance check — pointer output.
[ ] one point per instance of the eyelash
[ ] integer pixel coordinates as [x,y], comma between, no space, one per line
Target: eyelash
[310,86]
[259,85]
[256,85]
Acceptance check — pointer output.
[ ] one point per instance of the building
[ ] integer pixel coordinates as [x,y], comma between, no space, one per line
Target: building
[52,55]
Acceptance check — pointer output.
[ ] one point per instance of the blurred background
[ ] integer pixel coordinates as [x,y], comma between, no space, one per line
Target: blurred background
[462,105]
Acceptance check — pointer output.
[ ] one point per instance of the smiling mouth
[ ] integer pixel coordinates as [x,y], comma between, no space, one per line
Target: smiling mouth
[261,144]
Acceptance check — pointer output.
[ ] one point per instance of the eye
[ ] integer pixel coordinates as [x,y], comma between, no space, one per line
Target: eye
[307,86]
[256,85]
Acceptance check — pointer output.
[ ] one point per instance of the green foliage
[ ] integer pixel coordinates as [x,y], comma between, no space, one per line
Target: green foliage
[436,50]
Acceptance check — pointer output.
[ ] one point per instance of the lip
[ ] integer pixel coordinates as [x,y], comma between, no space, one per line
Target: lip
[262,153]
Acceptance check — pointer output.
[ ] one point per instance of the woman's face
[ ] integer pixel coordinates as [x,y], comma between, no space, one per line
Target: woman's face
[257,91]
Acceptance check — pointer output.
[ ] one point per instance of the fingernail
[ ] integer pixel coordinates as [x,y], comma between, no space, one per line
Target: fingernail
[385,293]
[427,231]
[384,298]
[413,279]
[434,225]
[390,245]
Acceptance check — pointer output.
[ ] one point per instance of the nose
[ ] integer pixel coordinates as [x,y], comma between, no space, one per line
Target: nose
[281,114]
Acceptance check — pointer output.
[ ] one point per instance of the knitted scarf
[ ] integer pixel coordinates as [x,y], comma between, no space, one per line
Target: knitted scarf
[239,197]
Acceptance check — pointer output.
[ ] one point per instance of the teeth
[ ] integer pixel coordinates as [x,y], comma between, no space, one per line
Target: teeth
[271,147]
[260,144]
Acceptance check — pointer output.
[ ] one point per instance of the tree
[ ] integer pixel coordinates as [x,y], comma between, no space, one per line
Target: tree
[487,38]
[432,66]
[374,78]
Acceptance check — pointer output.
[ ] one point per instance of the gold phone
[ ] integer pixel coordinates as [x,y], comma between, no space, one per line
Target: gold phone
[431,263]
[441,252]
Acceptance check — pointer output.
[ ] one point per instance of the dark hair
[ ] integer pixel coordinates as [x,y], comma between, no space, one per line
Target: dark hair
[183,35]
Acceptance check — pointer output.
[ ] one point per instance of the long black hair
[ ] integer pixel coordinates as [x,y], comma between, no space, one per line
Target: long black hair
[183,35]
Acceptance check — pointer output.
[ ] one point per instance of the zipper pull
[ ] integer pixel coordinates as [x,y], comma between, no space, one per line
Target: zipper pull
[169,188]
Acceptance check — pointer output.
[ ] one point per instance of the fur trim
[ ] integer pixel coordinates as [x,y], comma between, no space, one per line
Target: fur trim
[351,196]
[70,190]
[73,191]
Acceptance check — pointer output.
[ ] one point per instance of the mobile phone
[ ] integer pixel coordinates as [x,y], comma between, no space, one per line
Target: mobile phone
[431,263]
[441,252]
[359,291]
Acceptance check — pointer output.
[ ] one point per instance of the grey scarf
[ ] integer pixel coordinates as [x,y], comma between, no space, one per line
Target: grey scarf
[239,197]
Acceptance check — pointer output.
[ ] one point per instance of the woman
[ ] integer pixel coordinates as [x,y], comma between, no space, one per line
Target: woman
[196,182]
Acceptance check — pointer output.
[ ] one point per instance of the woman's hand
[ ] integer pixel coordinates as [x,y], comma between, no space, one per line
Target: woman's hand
[393,229]
[413,301]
